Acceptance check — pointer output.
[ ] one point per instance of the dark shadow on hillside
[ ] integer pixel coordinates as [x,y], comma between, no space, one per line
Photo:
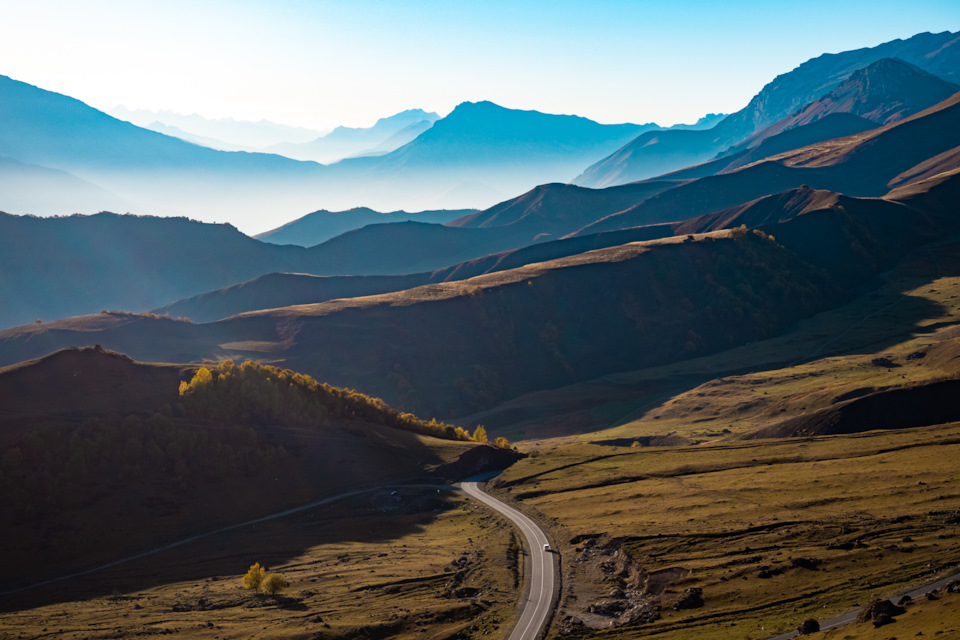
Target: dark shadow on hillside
[378,517]
[872,321]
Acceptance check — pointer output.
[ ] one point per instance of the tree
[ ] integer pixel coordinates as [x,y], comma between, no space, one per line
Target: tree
[255,577]
[502,442]
[479,434]
[274,584]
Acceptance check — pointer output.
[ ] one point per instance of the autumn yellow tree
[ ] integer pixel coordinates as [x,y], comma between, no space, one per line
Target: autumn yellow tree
[480,434]
[255,577]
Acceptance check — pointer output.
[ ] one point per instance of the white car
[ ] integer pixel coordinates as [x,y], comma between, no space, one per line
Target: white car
[546,548]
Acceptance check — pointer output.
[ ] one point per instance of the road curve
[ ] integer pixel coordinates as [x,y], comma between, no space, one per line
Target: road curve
[535,609]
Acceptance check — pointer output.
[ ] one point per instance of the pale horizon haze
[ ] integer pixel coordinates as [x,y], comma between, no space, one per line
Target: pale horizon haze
[320,64]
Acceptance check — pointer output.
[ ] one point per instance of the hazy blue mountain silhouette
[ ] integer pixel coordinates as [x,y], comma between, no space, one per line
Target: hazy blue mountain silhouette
[320,226]
[166,175]
[39,190]
[235,133]
[344,142]
[487,152]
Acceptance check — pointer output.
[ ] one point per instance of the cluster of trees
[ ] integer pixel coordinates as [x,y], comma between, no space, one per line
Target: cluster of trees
[63,467]
[252,393]
[257,579]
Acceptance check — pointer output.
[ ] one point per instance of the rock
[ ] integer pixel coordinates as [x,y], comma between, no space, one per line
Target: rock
[904,600]
[692,599]
[808,626]
[879,610]
[805,563]
[617,593]
[571,625]
[608,608]
[882,619]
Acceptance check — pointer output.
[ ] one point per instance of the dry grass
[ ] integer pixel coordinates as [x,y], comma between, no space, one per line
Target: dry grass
[476,284]
[908,313]
[723,512]
[908,309]
[377,566]
[924,618]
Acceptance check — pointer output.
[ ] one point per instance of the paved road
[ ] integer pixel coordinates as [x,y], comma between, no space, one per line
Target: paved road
[850,616]
[536,608]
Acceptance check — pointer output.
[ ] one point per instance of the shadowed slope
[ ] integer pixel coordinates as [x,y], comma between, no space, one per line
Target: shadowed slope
[457,346]
[883,92]
[863,164]
[554,210]
[129,458]
[286,289]
[282,290]
[835,125]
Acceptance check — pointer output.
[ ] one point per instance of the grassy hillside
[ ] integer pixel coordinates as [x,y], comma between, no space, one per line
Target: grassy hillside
[288,289]
[770,533]
[392,563]
[859,503]
[123,460]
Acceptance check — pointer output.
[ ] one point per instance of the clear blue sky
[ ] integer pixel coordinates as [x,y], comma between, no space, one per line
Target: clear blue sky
[321,63]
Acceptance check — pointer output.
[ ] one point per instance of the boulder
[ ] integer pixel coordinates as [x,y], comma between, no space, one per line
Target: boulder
[692,599]
[879,612]
[808,626]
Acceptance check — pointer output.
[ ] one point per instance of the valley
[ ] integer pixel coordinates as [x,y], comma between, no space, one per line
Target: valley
[518,375]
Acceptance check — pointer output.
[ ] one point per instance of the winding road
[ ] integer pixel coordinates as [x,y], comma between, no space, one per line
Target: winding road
[536,607]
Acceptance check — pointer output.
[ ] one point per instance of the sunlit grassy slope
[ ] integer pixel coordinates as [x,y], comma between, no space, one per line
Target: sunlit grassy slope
[867,514]
[773,531]
[380,565]
[911,308]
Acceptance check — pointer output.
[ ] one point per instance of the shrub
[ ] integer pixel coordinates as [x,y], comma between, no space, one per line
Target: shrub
[274,584]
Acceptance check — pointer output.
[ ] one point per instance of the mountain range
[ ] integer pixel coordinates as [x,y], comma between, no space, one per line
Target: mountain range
[528,279]
[867,163]
[320,226]
[225,134]
[386,135]
[713,351]
[656,153]
[479,154]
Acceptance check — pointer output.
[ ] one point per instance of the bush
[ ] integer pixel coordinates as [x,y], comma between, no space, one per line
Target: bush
[274,584]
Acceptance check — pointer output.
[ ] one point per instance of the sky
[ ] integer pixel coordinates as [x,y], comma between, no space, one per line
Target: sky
[320,63]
